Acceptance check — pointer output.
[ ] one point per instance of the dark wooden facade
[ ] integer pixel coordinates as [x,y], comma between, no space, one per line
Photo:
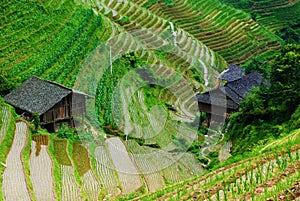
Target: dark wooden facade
[217,106]
[54,103]
[60,111]
[221,101]
[64,111]
[217,110]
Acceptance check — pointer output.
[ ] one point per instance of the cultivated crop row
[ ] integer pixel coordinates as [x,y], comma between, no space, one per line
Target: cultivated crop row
[106,171]
[275,15]
[211,184]
[147,166]
[154,35]
[118,11]
[70,189]
[219,27]
[127,172]
[255,179]
[38,39]
[90,185]
[57,44]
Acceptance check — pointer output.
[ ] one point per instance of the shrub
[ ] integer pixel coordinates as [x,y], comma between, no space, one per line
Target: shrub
[36,120]
[264,114]
[65,132]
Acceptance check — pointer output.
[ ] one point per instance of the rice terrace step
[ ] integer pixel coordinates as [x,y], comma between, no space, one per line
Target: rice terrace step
[149,100]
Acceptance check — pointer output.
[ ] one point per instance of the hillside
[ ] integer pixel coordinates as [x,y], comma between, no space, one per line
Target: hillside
[228,31]
[273,175]
[281,17]
[142,62]
[49,40]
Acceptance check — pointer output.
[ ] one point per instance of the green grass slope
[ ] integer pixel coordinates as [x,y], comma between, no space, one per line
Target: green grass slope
[268,175]
[48,40]
[228,31]
[280,16]
[147,96]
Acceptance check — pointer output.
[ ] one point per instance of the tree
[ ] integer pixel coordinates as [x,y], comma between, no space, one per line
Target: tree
[259,64]
[284,79]
[285,69]
[289,35]
[267,112]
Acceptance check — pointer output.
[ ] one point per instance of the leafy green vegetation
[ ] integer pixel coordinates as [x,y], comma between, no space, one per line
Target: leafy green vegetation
[108,83]
[6,83]
[282,17]
[221,32]
[271,111]
[61,152]
[64,38]
[239,180]
[56,165]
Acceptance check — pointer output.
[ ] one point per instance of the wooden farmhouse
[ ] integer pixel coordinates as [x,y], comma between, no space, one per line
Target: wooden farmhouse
[54,103]
[221,101]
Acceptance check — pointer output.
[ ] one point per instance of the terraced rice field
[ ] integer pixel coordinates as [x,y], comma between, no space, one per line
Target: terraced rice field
[90,185]
[152,35]
[147,166]
[174,167]
[158,67]
[260,177]
[183,46]
[48,45]
[70,188]
[127,172]
[106,171]
[227,31]
[14,185]
[275,15]
[151,123]
[41,169]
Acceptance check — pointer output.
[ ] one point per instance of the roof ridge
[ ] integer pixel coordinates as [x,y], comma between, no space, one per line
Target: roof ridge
[52,82]
[63,86]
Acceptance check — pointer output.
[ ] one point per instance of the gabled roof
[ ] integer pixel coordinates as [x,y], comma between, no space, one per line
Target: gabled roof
[37,95]
[217,97]
[236,91]
[242,86]
[231,94]
[232,73]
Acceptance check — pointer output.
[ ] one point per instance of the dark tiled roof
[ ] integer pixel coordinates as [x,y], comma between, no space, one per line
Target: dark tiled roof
[37,95]
[216,97]
[232,95]
[236,91]
[242,86]
[232,73]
